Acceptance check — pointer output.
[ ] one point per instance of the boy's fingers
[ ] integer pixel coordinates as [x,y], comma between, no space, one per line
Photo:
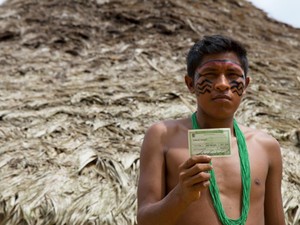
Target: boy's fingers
[196,159]
[200,167]
[201,186]
[197,170]
[198,179]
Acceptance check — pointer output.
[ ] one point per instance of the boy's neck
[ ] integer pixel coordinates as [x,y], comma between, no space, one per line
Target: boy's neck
[207,122]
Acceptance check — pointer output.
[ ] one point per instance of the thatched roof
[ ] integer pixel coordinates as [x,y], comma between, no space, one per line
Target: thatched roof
[81,80]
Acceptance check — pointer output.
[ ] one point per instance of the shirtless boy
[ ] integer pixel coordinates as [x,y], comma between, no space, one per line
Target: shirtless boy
[175,188]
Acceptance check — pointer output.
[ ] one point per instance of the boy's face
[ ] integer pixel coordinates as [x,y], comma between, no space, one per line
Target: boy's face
[219,84]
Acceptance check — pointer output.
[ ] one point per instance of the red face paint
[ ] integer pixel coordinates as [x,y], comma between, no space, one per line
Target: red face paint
[220,66]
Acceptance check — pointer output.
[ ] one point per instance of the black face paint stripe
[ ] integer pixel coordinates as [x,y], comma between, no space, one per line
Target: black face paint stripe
[203,91]
[205,81]
[237,87]
[204,86]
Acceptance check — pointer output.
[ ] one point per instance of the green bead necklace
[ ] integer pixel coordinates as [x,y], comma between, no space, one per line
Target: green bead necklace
[246,179]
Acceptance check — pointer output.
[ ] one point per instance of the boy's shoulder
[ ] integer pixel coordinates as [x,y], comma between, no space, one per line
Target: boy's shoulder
[260,138]
[167,130]
[171,125]
[256,133]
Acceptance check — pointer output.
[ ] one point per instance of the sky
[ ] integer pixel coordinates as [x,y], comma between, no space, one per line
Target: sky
[287,11]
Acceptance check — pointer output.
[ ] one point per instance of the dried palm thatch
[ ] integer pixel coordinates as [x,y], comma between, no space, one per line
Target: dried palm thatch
[82,80]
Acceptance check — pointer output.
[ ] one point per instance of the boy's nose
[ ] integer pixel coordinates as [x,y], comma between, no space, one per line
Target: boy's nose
[222,83]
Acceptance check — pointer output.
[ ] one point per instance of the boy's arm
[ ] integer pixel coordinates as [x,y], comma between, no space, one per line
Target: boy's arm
[154,205]
[273,200]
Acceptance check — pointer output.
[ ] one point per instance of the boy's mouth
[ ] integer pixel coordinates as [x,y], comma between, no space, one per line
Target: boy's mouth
[222,97]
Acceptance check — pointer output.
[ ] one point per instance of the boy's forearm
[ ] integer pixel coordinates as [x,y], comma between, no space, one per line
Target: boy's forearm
[165,212]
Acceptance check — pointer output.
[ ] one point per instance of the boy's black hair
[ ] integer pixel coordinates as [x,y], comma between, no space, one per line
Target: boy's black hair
[213,45]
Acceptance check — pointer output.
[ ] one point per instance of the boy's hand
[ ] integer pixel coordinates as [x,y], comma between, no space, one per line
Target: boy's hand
[193,177]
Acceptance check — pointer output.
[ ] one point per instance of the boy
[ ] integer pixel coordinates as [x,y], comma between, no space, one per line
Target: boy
[244,188]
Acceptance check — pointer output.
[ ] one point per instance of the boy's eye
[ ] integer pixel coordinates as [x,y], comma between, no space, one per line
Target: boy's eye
[209,75]
[230,75]
[234,75]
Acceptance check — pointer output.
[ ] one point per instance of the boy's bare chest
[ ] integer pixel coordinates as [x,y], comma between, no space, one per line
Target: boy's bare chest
[227,169]
[229,181]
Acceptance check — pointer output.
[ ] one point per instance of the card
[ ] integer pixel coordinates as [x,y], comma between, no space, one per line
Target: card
[213,142]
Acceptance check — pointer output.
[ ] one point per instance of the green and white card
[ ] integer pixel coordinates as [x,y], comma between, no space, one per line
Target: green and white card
[213,142]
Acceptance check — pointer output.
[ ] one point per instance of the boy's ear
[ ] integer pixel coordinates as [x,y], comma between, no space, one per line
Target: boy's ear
[189,83]
[246,84]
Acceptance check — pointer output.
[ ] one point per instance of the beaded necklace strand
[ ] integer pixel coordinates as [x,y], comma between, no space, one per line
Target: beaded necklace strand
[245,176]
